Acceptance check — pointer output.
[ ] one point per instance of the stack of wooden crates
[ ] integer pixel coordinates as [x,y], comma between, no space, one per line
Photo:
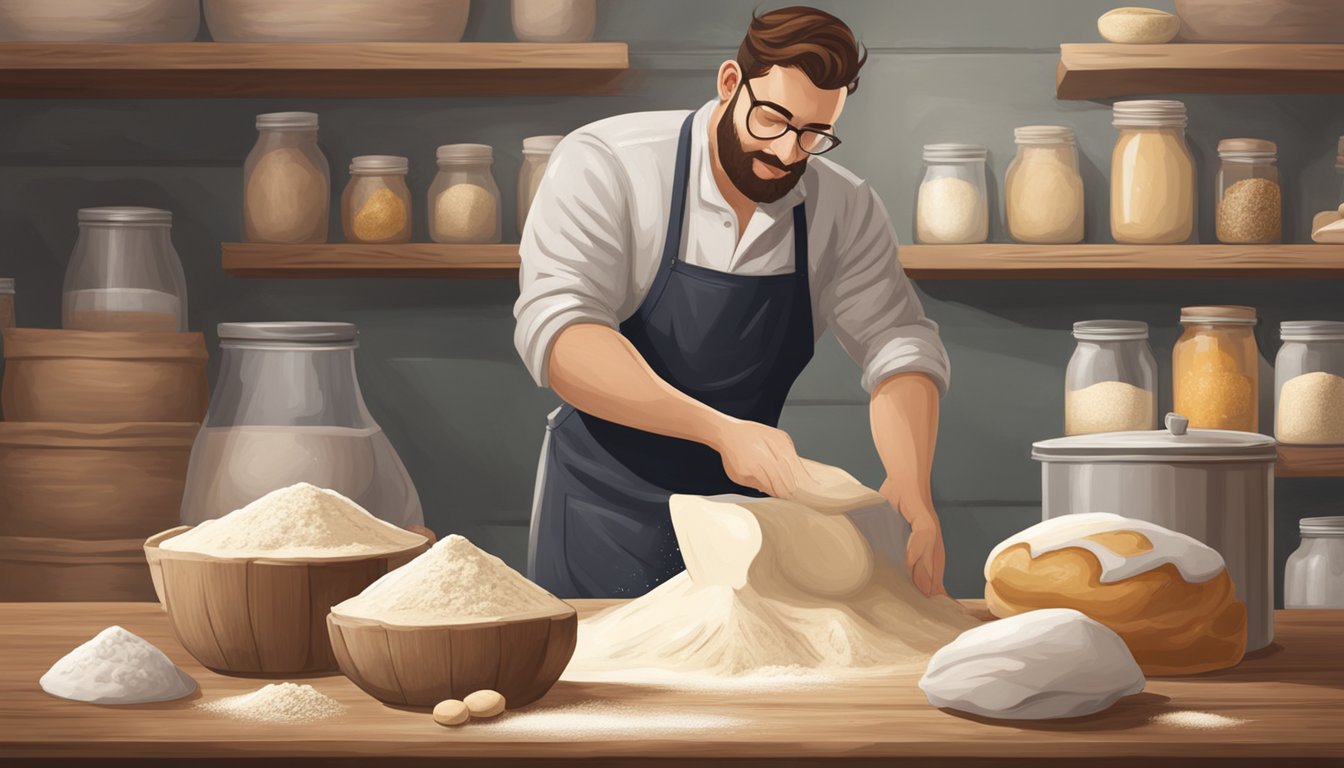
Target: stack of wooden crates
[94,449]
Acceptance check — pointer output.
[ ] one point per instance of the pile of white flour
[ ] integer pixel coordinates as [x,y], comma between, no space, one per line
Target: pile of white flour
[453,582]
[299,521]
[277,703]
[117,667]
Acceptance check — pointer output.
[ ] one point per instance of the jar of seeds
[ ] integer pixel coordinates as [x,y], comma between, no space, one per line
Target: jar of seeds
[1250,203]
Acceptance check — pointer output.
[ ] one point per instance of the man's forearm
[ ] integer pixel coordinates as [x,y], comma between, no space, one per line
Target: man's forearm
[904,417]
[596,369]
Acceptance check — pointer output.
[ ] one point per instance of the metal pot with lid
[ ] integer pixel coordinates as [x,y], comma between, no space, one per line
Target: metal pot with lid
[1216,486]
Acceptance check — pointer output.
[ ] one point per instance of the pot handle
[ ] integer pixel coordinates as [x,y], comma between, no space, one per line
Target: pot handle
[1177,424]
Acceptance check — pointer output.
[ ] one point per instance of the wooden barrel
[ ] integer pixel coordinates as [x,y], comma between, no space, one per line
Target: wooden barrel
[91,377]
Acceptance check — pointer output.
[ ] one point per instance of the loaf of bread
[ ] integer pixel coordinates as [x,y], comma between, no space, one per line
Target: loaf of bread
[1166,594]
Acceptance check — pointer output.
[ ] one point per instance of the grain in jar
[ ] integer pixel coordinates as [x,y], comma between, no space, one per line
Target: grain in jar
[1309,383]
[1250,202]
[1043,191]
[286,182]
[376,204]
[464,199]
[1152,174]
[1215,368]
[1111,380]
[536,157]
[952,205]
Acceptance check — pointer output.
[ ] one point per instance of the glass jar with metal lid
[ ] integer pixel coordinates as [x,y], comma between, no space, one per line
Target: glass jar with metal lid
[376,204]
[124,274]
[1111,381]
[953,202]
[1216,368]
[464,199]
[1250,202]
[1309,383]
[1314,574]
[286,182]
[1152,174]
[1042,191]
[536,157]
[7,302]
[287,408]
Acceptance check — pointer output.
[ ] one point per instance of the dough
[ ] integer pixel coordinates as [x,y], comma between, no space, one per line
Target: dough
[833,491]
[1168,595]
[1037,666]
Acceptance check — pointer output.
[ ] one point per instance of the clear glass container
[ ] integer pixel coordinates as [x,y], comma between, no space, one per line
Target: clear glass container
[1043,191]
[1339,170]
[124,274]
[1215,369]
[376,204]
[953,203]
[1152,174]
[7,302]
[554,21]
[1111,381]
[1314,575]
[287,408]
[1309,383]
[464,199]
[536,156]
[286,182]
[1250,201]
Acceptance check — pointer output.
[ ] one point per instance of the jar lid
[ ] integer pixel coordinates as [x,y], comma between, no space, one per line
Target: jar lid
[1321,526]
[541,144]
[292,332]
[1044,134]
[125,214]
[1219,315]
[1110,330]
[449,153]
[282,120]
[6,285]
[1149,113]
[1311,330]
[954,152]
[1248,148]
[1176,443]
[379,164]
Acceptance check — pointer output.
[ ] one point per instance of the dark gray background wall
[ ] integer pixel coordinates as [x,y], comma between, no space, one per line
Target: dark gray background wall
[437,362]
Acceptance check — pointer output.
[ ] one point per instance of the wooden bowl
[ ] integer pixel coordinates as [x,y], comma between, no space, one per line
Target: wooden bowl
[421,666]
[1261,21]
[256,615]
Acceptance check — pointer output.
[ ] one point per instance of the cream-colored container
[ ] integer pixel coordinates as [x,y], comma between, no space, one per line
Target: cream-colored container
[1152,175]
[1043,191]
[336,21]
[554,21]
[99,21]
[376,204]
[1309,383]
[464,199]
[286,182]
[953,202]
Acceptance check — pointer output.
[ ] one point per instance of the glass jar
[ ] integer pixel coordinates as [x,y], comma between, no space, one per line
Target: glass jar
[124,274]
[286,409]
[376,204]
[536,155]
[464,199]
[7,302]
[1250,202]
[554,21]
[1152,174]
[286,182]
[1043,191]
[1314,574]
[1339,170]
[953,203]
[1309,383]
[1111,381]
[1215,369]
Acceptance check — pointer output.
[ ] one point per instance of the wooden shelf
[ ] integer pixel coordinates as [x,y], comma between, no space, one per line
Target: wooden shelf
[354,260]
[204,70]
[1107,71]
[1310,461]
[1002,261]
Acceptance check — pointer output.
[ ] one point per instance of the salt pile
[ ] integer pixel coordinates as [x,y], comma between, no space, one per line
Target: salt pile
[301,520]
[453,582]
[1196,721]
[117,667]
[277,703]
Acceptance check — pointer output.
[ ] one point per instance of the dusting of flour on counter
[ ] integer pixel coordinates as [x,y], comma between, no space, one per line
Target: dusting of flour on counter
[600,718]
[117,667]
[1196,721]
[277,703]
[453,582]
[301,520]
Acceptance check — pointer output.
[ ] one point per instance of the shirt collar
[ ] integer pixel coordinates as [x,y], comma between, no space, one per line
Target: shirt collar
[707,190]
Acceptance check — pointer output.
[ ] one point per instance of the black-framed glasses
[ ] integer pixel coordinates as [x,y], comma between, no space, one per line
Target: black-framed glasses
[767,120]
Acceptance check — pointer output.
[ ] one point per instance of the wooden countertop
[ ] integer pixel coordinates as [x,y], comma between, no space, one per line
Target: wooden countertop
[1291,696]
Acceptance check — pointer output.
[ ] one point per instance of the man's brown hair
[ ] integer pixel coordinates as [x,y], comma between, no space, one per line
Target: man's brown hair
[816,42]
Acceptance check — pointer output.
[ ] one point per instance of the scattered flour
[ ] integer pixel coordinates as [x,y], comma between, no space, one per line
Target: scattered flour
[117,667]
[277,703]
[299,521]
[1197,721]
[599,718]
[453,582]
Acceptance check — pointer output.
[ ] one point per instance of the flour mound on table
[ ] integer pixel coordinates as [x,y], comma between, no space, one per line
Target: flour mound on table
[301,520]
[453,582]
[117,667]
[277,703]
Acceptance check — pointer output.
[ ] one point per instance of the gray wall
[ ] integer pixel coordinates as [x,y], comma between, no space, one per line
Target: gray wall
[437,362]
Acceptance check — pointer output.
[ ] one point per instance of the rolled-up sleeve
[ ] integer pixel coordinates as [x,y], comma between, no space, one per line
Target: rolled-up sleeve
[870,303]
[575,259]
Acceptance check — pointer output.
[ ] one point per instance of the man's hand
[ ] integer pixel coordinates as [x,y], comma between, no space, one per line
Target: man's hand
[760,457]
[924,554]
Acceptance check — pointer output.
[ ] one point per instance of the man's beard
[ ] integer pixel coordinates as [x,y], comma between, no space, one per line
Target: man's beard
[736,163]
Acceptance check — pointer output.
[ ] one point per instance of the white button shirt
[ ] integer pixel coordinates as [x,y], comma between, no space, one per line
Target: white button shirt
[595,233]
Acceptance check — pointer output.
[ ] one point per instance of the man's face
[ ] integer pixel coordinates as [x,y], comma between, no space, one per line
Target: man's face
[766,169]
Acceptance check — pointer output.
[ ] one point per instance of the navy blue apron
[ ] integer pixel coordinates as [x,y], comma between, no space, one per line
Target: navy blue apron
[601,526]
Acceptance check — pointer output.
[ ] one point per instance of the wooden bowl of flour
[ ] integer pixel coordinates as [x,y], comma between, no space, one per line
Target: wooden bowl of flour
[259,615]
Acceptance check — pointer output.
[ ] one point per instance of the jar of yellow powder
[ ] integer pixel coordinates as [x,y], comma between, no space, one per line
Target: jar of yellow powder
[1152,175]
[1215,369]
[464,199]
[376,204]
